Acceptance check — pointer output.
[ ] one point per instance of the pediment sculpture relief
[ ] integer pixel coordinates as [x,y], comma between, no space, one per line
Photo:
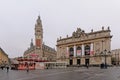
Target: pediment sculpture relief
[78,33]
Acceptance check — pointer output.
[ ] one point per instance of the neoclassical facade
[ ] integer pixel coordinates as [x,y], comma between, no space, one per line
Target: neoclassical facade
[40,50]
[85,48]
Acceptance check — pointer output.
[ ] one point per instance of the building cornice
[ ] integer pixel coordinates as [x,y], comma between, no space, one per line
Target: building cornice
[84,40]
[88,34]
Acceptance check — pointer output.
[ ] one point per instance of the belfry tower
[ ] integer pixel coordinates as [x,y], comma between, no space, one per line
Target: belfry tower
[38,36]
[40,51]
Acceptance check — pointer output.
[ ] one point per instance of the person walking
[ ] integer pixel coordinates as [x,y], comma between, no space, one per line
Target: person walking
[2,67]
[27,68]
[7,68]
[87,65]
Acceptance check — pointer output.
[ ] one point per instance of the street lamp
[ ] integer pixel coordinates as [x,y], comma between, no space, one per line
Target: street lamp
[118,59]
[105,58]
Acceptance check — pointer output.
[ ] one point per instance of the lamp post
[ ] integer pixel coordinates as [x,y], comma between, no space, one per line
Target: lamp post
[105,55]
[105,58]
[118,58]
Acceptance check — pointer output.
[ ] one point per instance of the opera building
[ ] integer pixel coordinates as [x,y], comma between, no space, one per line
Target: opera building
[92,48]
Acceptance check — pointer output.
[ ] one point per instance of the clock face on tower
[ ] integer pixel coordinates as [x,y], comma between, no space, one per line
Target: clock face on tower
[38,37]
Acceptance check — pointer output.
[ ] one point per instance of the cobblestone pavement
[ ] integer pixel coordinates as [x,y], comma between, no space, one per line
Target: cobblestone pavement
[93,73]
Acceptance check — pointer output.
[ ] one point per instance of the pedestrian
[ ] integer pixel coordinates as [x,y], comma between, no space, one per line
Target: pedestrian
[87,65]
[7,68]
[27,68]
[2,67]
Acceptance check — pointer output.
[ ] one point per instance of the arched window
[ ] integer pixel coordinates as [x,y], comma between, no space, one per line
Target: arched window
[78,51]
[87,50]
[71,50]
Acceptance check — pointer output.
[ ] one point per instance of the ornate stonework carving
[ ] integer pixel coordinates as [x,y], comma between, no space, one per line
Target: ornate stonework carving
[78,33]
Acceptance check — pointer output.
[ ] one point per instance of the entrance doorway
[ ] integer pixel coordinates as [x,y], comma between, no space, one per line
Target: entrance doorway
[71,62]
[78,61]
[87,62]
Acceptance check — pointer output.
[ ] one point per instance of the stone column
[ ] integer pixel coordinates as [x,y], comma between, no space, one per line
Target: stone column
[67,52]
[83,50]
[91,49]
[74,51]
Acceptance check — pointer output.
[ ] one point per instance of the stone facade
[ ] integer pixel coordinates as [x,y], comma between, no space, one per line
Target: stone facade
[3,58]
[85,48]
[116,57]
[40,50]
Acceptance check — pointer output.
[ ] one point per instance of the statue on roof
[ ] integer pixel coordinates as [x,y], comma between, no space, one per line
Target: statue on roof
[78,33]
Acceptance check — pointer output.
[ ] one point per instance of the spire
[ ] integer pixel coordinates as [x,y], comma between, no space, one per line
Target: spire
[31,44]
[39,17]
[38,20]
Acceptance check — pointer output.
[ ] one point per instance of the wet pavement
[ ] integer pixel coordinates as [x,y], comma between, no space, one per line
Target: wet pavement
[93,73]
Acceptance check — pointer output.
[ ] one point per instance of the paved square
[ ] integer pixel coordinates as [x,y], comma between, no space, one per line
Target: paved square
[93,73]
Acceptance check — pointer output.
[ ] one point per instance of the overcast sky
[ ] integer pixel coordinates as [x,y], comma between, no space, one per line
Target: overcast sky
[59,18]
